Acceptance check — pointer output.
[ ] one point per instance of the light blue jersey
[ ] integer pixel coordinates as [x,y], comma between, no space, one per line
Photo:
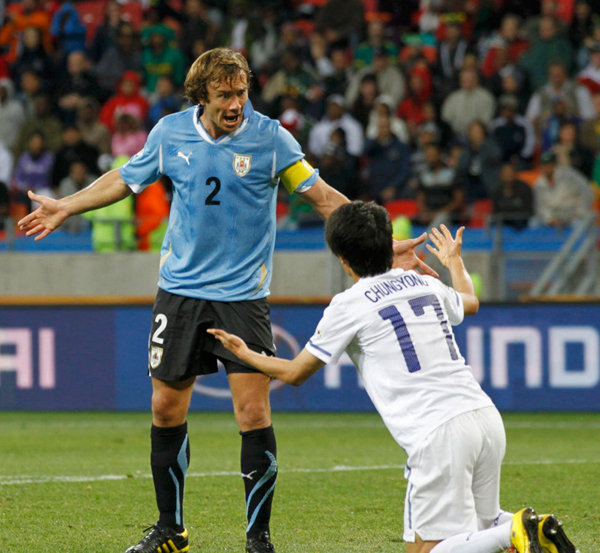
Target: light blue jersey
[221,236]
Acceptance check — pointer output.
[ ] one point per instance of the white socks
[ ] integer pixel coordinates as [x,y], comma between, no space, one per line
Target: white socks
[492,540]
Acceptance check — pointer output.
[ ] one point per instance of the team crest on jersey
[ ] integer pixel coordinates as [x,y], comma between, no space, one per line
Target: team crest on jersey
[156,354]
[241,164]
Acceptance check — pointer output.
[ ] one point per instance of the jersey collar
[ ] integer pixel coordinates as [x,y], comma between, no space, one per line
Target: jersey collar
[248,111]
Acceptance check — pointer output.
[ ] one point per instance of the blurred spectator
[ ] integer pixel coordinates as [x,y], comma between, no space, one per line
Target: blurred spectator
[151,213]
[20,16]
[106,34]
[427,134]
[67,30]
[294,121]
[411,108]
[367,93]
[562,194]
[514,83]
[93,133]
[154,25]
[376,39]
[451,55]
[385,108]
[590,130]
[337,82]
[550,126]
[469,103]
[196,24]
[42,121]
[590,76]
[513,133]
[438,196]
[12,114]
[533,28]
[431,116]
[161,59]
[129,137]
[127,100]
[318,56]
[513,199]
[506,43]
[78,84]
[293,79]
[34,167]
[337,174]
[577,98]
[479,164]
[240,28]
[548,49]
[73,149]
[78,178]
[264,50]
[124,56]
[6,165]
[389,163]
[335,117]
[341,21]
[569,153]
[31,84]
[390,80]
[582,24]
[33,56]
[164,101]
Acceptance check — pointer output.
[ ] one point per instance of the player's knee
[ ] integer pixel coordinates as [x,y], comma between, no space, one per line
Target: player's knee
[253,415]
[167,411]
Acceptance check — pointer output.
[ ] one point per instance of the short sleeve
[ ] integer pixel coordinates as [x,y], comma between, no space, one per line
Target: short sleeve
[452,302]
[287,153]
[145,167]
[334,332]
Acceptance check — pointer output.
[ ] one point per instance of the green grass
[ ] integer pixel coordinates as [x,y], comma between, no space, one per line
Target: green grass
[552,463]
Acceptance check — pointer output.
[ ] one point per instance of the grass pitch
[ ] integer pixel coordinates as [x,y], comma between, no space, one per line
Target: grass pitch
[80,481]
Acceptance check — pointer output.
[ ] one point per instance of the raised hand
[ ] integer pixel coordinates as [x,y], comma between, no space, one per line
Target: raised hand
[46,218]
[448,248]
[406,258]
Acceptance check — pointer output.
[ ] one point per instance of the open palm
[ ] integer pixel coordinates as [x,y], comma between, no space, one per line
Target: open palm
[46,218]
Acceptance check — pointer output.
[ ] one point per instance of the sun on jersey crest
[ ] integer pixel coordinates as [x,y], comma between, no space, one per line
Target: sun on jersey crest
[241,164]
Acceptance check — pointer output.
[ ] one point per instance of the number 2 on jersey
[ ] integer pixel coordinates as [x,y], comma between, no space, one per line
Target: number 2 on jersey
[418,306]
[210,200]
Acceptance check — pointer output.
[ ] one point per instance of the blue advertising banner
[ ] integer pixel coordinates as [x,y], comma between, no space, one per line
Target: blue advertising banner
[527,357]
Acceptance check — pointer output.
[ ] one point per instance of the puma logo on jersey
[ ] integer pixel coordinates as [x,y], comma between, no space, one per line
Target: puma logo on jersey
[187,158]
[248,476]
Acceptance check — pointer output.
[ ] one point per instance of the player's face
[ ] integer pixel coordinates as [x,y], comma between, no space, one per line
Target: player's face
[223,112]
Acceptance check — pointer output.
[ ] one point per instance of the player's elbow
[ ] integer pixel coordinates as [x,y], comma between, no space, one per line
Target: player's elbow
[471,305]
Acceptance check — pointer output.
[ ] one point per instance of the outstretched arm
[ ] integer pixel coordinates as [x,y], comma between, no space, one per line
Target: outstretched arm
[108,189]
[293,372]
[448,252]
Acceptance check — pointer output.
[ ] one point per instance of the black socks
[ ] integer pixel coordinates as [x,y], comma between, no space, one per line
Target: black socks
[259,472]
[169,460]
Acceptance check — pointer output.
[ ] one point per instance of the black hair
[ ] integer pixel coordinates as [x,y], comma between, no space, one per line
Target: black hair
[361,234]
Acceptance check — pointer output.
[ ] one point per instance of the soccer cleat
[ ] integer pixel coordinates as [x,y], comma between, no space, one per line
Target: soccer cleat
[524,533]
[162,539]
[552,537]
[262,544]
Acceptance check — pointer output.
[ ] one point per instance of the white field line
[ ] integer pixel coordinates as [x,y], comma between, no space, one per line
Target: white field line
[41,479]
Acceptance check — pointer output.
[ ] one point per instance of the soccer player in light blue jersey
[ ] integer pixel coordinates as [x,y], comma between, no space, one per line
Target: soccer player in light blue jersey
[225,161]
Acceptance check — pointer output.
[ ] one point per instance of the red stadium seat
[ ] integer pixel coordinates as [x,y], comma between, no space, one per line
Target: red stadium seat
[480,212]
[408,208]
[282,209]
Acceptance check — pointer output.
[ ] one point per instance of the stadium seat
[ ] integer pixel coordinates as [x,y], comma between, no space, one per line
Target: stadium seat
[408,208]
[282,209]
[480,211]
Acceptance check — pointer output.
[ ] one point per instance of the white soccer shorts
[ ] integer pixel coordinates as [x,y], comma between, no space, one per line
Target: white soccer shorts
[454,477]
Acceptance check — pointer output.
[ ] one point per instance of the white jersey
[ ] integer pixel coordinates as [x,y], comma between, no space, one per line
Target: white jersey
[396,329]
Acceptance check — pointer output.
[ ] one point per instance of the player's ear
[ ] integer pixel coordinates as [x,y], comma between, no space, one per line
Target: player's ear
[346,266]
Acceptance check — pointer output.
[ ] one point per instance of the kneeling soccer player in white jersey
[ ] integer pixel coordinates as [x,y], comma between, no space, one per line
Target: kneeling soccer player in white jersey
[396,327]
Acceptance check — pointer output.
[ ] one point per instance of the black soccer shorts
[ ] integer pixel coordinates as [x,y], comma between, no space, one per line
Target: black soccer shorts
[179,346]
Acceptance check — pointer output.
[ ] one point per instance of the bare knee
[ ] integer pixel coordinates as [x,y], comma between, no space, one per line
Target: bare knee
[168,409]
[252,415]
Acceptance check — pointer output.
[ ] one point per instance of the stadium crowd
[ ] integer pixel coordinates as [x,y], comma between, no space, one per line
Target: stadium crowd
[442,110]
